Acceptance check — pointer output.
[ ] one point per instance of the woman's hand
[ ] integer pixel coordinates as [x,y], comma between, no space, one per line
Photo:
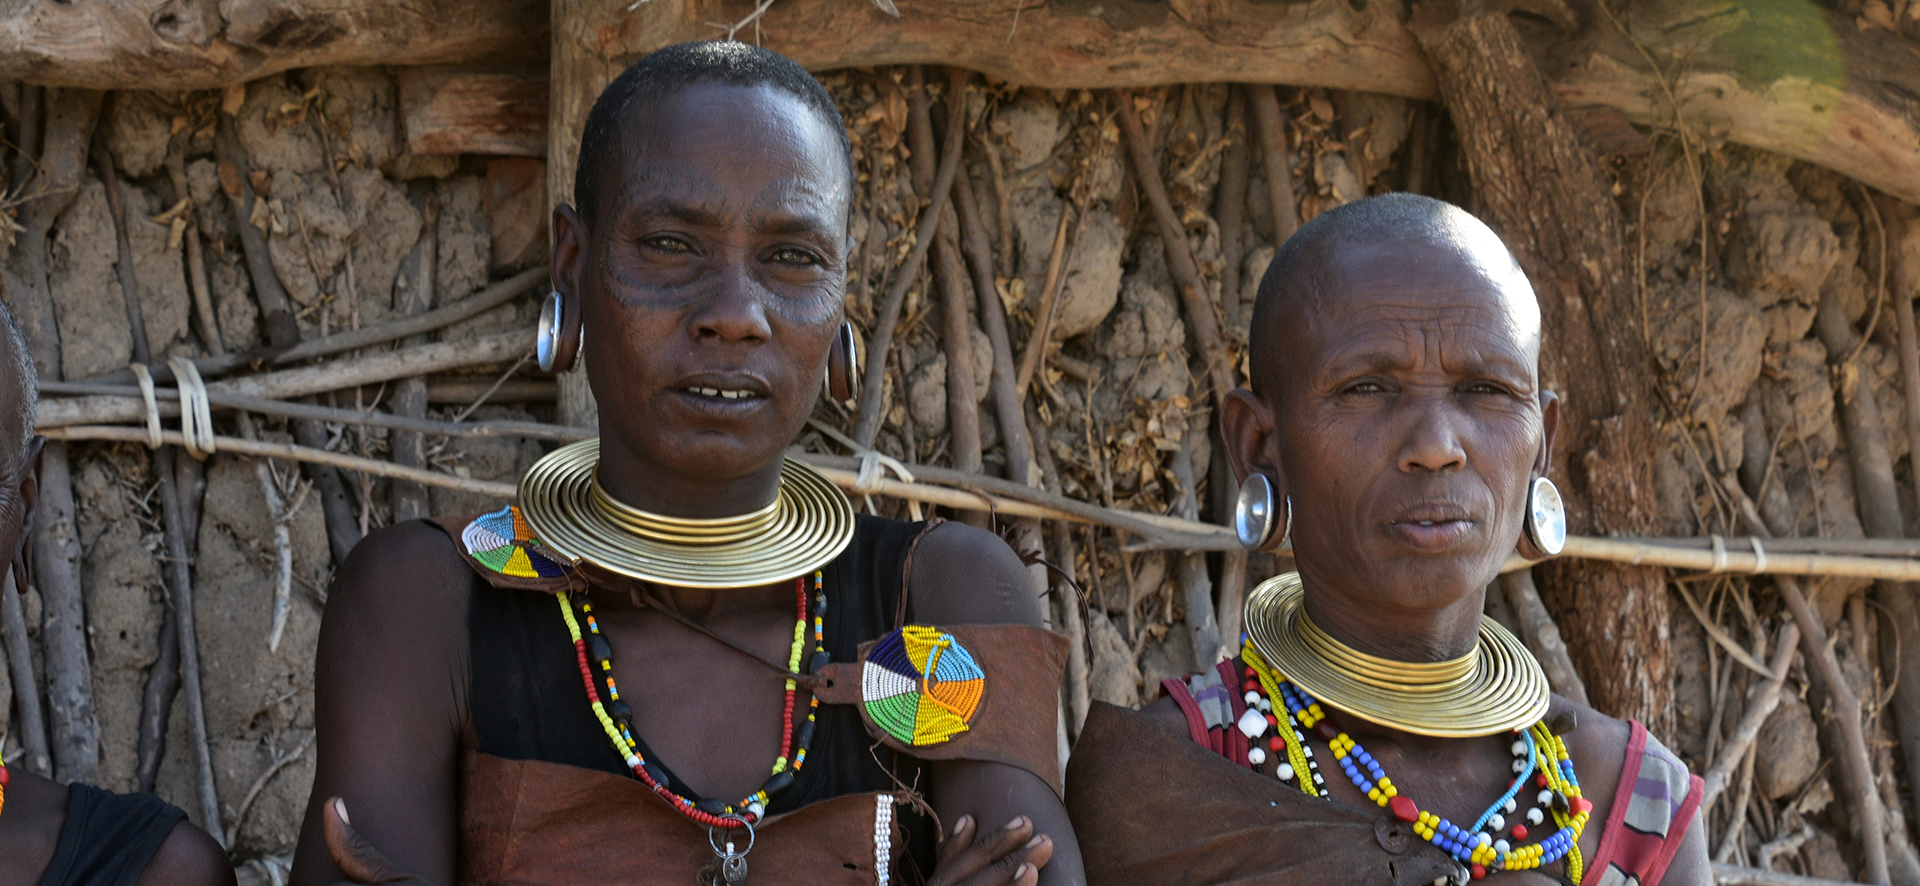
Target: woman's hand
[1011,855]
[357,858]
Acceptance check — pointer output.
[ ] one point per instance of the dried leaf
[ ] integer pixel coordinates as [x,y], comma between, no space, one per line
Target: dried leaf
[232,98]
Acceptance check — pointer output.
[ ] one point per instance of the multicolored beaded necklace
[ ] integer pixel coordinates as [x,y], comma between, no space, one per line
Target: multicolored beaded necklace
[616,717]
[4,780]
[1540,756]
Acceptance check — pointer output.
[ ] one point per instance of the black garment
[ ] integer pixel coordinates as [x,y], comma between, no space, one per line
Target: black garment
[108,838]
[528,702]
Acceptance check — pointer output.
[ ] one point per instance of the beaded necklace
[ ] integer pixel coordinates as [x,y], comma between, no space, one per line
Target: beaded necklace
[1539,756]
[616,716]
[4,780]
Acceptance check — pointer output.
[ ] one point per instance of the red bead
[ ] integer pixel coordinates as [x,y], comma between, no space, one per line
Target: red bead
[1479,871]
[1276,743]
[1272,720]
[1403,808]
[1326,730]
[5,779]
[1540,779]
[1579,805]
[1519,832]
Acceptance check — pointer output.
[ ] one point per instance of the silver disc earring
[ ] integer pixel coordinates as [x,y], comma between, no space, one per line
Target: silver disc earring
[546,336]
[1253,516]
[1546,522]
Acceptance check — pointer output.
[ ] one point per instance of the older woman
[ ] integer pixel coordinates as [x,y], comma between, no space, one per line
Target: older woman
[1397,431]
[679,657]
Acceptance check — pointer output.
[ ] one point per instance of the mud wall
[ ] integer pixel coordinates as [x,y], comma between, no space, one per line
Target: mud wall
[360,231]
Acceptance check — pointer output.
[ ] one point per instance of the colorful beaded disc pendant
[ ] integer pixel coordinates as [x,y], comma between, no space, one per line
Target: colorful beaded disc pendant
[616,716]
[921,685]
[503,542]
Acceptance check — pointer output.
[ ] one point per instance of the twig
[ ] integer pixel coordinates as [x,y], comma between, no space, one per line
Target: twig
[73,739]
[1231,208]
[1734,875]
[26,691]
[409,500]
[1201,324]
[280,761]
[1730,838]
[1542,635]
[307,380]
[175,517]
[963,411]
[872,409]
[1721,637]
[343,530]
[1900,629]
[482,399]
[1194,581]
[1015,440]
[1050,289]
[292,452]
[268,406]
[1277,160]
[1762,699]
[1865,547]
[480,302]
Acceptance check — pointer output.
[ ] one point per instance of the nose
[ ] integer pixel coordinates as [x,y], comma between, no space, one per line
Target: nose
[1432,438]
[735,311]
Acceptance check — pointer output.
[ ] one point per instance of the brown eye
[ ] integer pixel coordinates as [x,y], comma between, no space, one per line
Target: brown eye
[791,256]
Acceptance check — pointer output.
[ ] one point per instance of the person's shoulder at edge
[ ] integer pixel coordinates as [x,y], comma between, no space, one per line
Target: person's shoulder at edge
[1598,745]
[966,575]
[189,857]
[38,809]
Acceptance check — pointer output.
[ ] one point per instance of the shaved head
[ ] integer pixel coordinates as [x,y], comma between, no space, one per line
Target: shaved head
[1314,269]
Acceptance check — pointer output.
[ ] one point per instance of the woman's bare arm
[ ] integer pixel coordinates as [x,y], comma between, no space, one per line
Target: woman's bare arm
[390,682]
[963,575]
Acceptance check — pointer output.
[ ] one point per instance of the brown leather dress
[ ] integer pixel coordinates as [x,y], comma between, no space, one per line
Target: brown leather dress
[545,800]
[1151,807]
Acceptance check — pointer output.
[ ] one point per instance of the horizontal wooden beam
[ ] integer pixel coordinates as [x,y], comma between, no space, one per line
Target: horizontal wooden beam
[199,44]
[1805,83]
[459,110]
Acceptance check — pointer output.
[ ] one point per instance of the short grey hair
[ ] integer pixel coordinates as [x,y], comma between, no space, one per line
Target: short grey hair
[24,380]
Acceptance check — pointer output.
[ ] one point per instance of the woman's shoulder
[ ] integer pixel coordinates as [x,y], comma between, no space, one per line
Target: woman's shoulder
[960,574]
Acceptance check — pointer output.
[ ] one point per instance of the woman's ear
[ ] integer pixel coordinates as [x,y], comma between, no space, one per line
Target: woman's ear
[1247,432]
[569,249]
[1549,429]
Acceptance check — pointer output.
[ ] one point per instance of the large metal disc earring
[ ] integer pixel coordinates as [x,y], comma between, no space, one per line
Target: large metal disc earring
[843,368]
[1253,514]
[556,341]
[1546,521]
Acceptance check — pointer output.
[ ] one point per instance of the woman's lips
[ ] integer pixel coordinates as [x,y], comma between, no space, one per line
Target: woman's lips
[1432,535]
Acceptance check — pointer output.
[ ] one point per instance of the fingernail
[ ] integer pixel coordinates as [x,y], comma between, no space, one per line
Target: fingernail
[1037,840]
[1017,821]
[961,825]
[1022,872]
[340,806]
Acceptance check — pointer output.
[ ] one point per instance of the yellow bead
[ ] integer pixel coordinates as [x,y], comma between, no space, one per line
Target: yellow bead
[1392,791]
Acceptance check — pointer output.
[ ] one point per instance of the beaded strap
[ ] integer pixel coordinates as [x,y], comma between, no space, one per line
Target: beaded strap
[1540,757]
[616,716]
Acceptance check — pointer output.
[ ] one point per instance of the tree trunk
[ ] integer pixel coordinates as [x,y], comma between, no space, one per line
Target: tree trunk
[1545,195]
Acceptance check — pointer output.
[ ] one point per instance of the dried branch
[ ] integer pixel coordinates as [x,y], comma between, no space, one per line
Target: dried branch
[872,384]
[1542,635]
[1276,159]
[26,690]
[179,560]
[1762,699]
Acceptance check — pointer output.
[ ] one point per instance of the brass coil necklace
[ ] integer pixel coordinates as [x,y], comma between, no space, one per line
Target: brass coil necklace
[1496,687]
[807,524]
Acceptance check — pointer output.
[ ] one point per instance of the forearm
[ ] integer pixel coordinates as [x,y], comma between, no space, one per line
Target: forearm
[994,794]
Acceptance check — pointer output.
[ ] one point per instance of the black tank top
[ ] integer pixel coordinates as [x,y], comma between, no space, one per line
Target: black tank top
[528,703]
[109,838]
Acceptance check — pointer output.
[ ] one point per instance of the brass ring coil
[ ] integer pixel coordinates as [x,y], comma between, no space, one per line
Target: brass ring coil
[1497,687]
[807,525]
